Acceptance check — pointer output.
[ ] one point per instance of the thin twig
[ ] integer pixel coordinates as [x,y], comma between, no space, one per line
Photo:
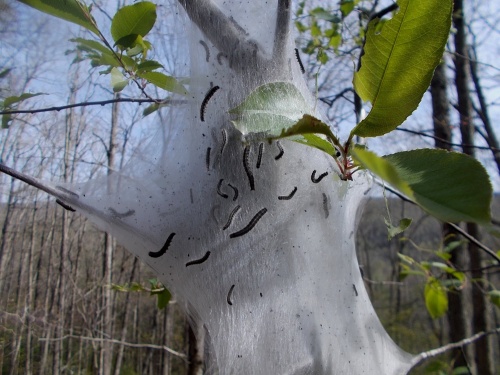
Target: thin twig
[445,348]
[456,227]
[100,102]
[444,140]
[118,342]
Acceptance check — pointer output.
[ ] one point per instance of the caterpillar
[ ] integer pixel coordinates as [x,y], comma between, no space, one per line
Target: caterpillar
[280,147]
[224,140]
[355,290]
[225,196]
[164,249]
[204,103]
[64,205]
[120,215]
[320,177]
[325,206]
[228,298]
[289,196]
[207,50]
[250,225]
[207,158]
[235,192]
[231,216]
[259,156]
[251,180]
[299,60]
[199,261]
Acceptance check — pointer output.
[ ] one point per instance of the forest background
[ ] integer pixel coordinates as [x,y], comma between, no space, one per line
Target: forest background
[60,312]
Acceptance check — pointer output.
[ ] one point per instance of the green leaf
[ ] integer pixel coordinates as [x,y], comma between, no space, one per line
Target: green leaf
[163,82]
[4,73]
[118,80]
[393,231]
[449,185]
[323,14]
[10,100]
[6,118]
[347,6]
[135,19]
[383,169]
[269,109]
[164,298]
[148,66]
[494,296]
[399,61]
[70,10]
[436,298]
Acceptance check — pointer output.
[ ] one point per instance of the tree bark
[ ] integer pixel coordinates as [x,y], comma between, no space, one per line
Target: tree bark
[483,360]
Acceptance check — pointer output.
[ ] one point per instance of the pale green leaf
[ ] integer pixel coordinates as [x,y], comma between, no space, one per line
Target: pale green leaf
[399,61]
[69,10]
[135,19]
[118,80]
[383,169]
[436,298]
[393,231]
[163,81]
[270,109]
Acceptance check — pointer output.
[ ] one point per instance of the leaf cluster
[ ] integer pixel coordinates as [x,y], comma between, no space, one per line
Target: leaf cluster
[397,64]
[156,288]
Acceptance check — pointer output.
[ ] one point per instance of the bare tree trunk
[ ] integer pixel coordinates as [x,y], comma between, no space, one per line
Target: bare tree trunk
[442,130]
[196,351]
[482,357]
[126,318]
[490,137]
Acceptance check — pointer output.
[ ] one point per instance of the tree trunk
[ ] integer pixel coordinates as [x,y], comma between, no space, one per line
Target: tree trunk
[457,325]
[483,360]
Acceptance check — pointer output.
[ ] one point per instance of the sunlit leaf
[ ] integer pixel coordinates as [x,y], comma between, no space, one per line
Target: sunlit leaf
[270,109]
[436,298]
[69,10]
[398,62]
[163,81]
[118,80]
[135,19]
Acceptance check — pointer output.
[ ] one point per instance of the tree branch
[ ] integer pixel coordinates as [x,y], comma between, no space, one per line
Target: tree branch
[100,102]
[118,342]
[223,32]
[446,141]
[282,29]
[456,227]
[445,348]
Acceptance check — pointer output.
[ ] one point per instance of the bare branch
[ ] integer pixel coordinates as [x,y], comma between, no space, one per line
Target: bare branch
[445,141]
[445,348]
[282,29]
[456,227]
[100,102]
[118,342]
